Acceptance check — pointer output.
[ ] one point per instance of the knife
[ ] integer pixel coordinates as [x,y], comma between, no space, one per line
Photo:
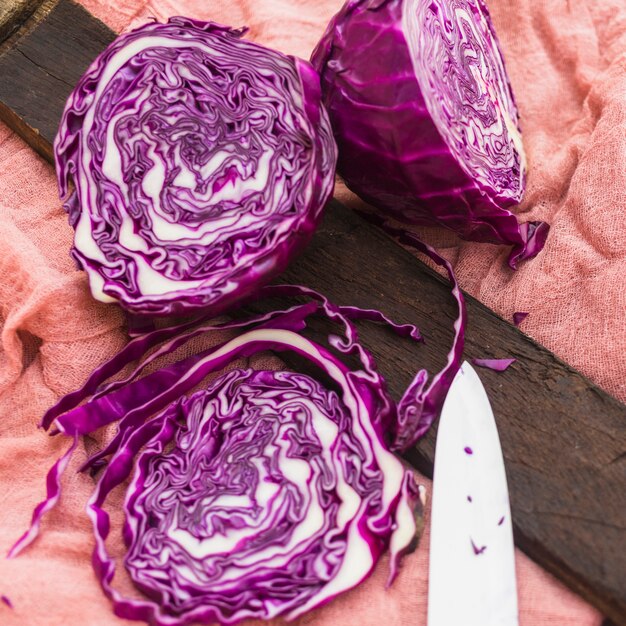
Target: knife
[472,556]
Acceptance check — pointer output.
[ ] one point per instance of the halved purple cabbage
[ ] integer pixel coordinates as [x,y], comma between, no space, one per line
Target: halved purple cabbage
[265,493]
[200,162]
[425,119]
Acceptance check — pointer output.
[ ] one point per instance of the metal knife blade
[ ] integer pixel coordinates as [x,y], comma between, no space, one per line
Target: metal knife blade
[472,559]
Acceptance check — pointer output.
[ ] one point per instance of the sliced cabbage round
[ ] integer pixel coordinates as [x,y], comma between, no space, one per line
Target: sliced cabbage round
[264,493]
[273,498]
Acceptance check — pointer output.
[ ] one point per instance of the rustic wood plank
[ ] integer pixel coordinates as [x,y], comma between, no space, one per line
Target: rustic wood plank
[13,13]
[564,440]
[40,67]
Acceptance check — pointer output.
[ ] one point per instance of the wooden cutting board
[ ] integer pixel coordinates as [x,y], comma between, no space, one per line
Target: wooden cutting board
[563,438]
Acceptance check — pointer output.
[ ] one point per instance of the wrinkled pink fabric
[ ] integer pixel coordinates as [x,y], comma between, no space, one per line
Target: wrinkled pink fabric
[567,62]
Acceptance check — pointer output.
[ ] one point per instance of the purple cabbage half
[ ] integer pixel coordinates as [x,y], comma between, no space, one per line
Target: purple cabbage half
[424,117]
[264,493]
[200,164]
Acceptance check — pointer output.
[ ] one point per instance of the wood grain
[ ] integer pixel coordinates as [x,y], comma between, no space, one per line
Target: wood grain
[564,439]
[42,65]
[13,13]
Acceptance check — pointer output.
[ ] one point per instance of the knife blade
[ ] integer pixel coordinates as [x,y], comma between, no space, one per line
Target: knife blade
[472,557]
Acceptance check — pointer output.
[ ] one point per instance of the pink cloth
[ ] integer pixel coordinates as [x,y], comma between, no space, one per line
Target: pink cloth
[567,64]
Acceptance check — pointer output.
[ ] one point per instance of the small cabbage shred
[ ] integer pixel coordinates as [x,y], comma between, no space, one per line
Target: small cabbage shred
[424,117]
[263,493]
[498,365]
[519,317]
[194,165]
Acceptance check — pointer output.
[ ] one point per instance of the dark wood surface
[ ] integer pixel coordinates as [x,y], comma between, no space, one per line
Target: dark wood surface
[13,13]
[564,439]
[43,59]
